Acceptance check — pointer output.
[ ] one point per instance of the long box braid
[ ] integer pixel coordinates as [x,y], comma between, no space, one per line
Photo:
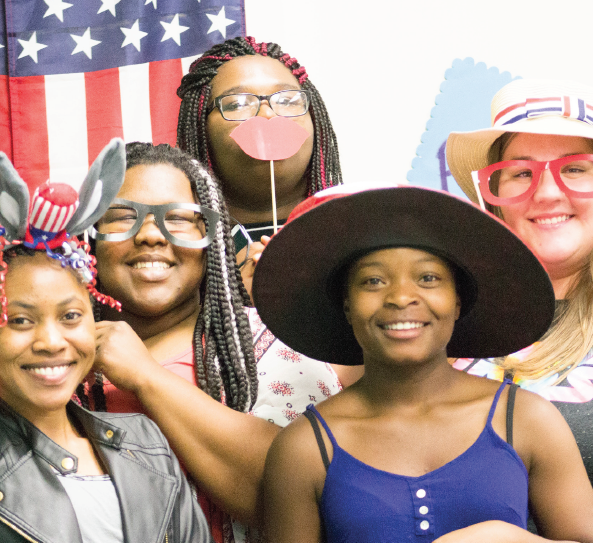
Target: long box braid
[195,90]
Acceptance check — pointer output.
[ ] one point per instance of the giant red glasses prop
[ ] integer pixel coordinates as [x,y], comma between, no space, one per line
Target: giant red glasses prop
[513,181]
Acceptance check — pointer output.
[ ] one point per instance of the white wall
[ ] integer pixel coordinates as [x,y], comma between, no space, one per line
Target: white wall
[353,50]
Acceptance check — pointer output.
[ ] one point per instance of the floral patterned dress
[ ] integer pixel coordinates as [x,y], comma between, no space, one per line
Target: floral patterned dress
[288,381]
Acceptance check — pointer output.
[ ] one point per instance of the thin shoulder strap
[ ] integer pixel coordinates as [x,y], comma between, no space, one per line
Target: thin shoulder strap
[510,409]
[495,401]
[318,437]
[312,409]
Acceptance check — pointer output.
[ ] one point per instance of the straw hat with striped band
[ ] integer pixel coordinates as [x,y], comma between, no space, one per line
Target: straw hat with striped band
[533,106]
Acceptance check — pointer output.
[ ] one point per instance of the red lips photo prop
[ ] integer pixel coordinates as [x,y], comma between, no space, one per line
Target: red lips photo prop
[274,139]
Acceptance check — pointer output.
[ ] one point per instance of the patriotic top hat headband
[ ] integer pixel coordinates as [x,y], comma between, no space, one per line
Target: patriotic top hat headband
[57,213]
[533,106]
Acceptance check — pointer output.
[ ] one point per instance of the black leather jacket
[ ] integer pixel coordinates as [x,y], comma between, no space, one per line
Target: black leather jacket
[155,498]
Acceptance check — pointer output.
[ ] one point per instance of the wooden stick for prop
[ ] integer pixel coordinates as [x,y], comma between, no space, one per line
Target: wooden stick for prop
[274,215]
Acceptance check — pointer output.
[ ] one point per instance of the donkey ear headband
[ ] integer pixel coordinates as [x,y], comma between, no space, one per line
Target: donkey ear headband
[57,214]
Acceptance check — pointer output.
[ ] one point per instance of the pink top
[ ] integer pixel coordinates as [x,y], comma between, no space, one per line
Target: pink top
[288,381]
[123,401]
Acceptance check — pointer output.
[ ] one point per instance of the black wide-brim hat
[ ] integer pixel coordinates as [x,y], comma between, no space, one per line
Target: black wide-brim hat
[297,287]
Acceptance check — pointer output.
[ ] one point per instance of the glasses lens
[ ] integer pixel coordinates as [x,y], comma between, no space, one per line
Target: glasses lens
[185,224]
[511,181]
[239,107]
[117,220]
[578,175]
[289,103]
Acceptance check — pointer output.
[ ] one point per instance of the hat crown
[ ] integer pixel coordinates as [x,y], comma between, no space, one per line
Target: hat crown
[52,206]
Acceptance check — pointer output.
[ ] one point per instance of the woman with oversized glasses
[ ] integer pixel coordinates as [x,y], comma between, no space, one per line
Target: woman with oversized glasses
[182,349]
[534,169]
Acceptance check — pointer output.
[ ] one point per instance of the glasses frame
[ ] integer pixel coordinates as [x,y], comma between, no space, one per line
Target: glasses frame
[240,228]
[159,211]
[482,177]
[218,103]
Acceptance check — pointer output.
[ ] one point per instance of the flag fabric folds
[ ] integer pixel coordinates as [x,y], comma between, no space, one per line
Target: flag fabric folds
[75,74]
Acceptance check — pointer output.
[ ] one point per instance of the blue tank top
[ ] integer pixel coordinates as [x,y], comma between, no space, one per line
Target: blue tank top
[361,504]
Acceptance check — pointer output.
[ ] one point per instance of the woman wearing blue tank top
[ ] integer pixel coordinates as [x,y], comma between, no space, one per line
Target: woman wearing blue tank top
[415,451]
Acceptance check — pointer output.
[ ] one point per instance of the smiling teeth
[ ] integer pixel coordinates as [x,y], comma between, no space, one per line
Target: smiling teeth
[403,326]
[157,264]
[552,220]
[50,371]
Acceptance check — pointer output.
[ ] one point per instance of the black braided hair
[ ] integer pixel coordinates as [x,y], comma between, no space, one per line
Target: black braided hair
[224,363]
[195,89]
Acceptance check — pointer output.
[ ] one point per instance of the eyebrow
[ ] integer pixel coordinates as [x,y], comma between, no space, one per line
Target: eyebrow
[239,89]
[376,263]
[372,264]
[531,158]
[25,305]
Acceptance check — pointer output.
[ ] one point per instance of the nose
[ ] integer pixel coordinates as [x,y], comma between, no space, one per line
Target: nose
[265,110]
[49,338]
[547,188]
[401,294]
[149,233]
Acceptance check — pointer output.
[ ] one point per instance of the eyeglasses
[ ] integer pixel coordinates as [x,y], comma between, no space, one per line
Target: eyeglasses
[240,107]
[241,238]
[513,181]
[187,225]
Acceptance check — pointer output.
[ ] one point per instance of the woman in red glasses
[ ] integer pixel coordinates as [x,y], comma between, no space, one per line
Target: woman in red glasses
[534,169]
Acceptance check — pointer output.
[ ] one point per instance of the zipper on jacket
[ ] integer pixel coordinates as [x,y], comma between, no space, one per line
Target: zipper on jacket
[166,537]
[18,530]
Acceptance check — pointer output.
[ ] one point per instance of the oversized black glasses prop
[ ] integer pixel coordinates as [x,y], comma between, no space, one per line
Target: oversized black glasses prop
[513,181]
[186,225]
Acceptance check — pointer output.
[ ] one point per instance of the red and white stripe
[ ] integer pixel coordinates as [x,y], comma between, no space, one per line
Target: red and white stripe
[53,206]
[521,108]
[57,124]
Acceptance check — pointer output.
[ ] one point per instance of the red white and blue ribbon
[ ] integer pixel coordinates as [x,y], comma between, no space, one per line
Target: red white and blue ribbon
[571,107]
[52,207]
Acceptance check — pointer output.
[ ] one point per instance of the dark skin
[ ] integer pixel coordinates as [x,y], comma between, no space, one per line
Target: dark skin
[50,327]
[246,180]
[423,412]
[222,449]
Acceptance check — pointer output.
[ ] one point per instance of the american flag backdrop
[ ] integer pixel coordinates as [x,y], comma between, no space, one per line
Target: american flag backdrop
[75,74]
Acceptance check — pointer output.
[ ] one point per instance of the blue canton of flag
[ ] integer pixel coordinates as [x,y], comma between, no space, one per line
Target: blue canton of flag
[75,74]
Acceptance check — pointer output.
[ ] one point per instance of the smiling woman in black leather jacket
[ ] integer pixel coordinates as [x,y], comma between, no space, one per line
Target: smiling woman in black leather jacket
[50,446]
[68,475]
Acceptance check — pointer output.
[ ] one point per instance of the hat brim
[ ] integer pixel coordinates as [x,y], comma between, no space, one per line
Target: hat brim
[468,151]
[514,305]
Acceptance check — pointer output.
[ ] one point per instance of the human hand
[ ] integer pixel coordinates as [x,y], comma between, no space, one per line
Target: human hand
[248,267]
[122,356]
[492,531]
